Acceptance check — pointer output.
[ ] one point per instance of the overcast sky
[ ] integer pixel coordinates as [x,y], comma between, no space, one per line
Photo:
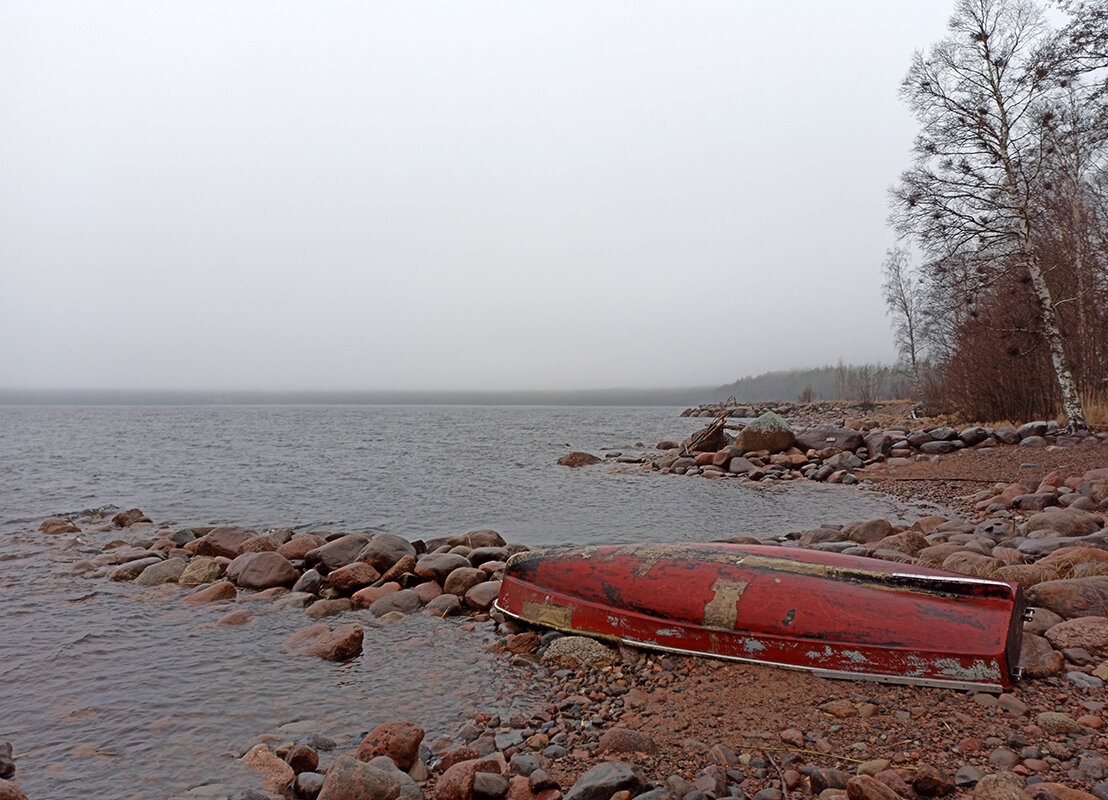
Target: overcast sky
[446,195]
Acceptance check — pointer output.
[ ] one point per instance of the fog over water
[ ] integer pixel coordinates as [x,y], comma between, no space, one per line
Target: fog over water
[434,195]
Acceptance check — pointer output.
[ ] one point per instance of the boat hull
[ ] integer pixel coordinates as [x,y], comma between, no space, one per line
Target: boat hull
[839,616]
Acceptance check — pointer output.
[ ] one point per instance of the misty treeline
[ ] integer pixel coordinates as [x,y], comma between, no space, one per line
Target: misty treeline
[861,383]
[999,294]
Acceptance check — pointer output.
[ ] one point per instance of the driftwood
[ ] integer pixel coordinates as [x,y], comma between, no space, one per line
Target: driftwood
[705,434]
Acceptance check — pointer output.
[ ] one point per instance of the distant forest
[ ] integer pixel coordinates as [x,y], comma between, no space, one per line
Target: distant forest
[864,383]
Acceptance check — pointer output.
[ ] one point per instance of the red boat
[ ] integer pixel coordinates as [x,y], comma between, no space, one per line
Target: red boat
[839,616]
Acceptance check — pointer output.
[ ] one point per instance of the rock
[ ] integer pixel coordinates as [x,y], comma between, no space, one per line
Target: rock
[937,448]
[262,570]
[1065,560]
[1056,722]
[340,644]
[202,569]
[973,435]
[168,571]
[483,595]
[824,436]
[462,579]
[384,550]
[350,779]
[351,577]
[9,791]
[223,590]
[397,740]
[1074,597]
[308,785]
[483,555]
[1057,791]
[364,598]
[931,782]
[1087,633]
[132,516]
[57,525]
[579,650]
[456,783]
[7,761]
[870,531]
[839,708]
[1037,658]
[998,786]
[824,778]
[437,566]
[741,466]
[475,539]
[908,542]
[768,432]
[445,605]
[866,787]
[336,553]
[604,780]
[328,608]
[578,459]
[277,773]
[130,570]
[625,740]
[297,547]
[970,563]
[405,602]
[1064,522]
[309,581]
[1026,575]
[489,786]
[224,540]
[258,544]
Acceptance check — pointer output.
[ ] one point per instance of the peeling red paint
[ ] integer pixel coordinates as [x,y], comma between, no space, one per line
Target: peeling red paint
[860,617]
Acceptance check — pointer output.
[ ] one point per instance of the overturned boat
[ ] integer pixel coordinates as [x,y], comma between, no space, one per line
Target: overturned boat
[836,615]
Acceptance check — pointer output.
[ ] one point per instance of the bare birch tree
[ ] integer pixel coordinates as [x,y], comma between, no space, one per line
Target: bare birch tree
[904,302]
[979,95]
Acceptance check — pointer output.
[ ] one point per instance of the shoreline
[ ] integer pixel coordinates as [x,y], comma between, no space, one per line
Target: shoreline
[723,729]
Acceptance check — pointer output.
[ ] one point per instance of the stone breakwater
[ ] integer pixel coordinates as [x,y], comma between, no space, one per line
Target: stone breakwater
[768,450]
[622,723]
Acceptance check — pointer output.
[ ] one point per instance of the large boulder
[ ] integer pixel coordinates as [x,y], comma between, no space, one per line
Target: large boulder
[767,432]
[262,570]
[824,436]
[1074,597]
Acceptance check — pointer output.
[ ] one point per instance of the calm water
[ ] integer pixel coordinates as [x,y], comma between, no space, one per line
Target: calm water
[107,690]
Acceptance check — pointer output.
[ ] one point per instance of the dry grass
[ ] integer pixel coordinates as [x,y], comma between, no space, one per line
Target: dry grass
[1096,409]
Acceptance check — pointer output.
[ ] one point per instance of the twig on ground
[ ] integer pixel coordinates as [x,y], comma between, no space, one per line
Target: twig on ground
[780,774]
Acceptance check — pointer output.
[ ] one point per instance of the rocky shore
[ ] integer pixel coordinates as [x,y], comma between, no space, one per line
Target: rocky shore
[622,723]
